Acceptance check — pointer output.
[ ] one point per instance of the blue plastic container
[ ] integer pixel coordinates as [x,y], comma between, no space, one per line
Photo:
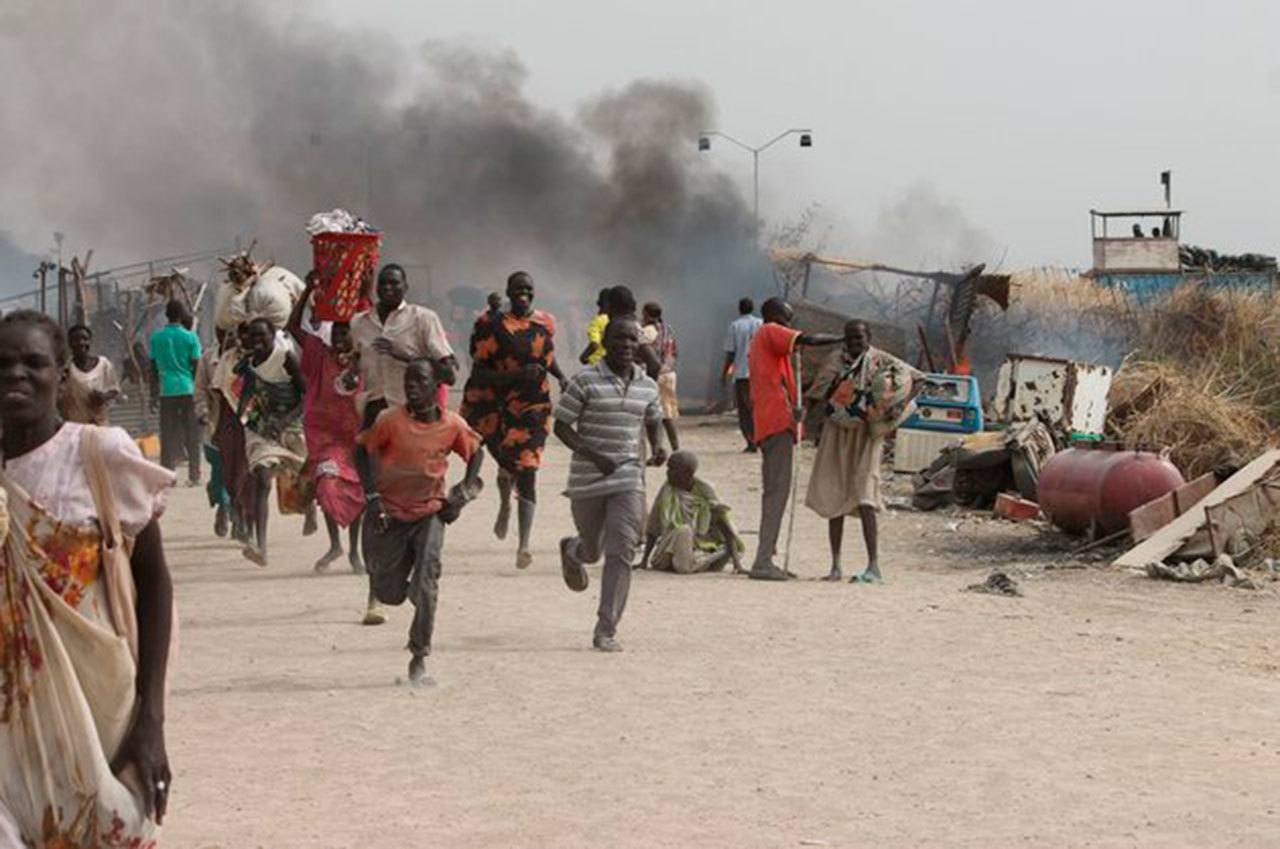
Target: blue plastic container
[949,403]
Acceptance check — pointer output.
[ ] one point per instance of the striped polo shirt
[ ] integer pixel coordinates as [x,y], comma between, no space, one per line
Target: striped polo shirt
[608,413]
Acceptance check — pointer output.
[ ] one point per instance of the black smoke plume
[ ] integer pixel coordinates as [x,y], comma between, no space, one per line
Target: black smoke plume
[148,128]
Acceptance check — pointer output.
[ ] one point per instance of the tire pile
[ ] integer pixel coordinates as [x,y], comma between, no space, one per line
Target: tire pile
[1208,259]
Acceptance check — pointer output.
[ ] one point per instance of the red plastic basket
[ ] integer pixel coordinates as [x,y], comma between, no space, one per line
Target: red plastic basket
[346,263]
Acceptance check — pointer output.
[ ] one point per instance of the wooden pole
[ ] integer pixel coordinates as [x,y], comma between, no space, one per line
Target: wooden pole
[924,348]
[44,274]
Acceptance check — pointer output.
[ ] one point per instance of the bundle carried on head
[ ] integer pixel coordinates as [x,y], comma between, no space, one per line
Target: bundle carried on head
[256,290]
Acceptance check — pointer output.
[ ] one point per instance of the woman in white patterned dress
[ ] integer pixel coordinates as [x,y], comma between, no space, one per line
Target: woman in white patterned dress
[86,615]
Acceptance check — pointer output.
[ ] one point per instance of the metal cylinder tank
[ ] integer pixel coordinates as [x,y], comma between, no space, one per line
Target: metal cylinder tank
[1093,489]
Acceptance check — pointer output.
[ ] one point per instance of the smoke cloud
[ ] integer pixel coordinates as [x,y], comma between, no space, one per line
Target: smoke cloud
[149,128]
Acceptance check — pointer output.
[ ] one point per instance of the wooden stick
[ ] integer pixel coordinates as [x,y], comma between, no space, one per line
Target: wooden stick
[924,348]
[951,346]
[1101,541]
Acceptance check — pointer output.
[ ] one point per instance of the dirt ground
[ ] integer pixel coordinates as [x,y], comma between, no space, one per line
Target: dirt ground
[1100,709]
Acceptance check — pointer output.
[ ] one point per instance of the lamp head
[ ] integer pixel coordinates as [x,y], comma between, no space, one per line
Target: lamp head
[806,140]
[704,143]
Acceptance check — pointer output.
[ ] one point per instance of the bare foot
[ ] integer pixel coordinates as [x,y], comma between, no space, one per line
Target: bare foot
[834,575]
[418,672]
[503,522]
[254,555]
[524,559]
[329,556]
[357,565]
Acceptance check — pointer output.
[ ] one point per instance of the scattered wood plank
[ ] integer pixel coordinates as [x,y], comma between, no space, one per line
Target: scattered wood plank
[1188,494]
[1170,538]
[1144,521]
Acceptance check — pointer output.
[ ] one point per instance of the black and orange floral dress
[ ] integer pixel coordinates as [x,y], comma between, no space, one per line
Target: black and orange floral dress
[513,420]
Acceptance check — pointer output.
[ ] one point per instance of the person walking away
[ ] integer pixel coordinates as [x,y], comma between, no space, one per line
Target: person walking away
[774,403]
[387,338]
[507,400]
[737,346]
[689,529]
[229,432]
[594,352]
[207,411]
[408,506]
[86,614]
[175,352]
[271,409]
[661,340]
[330,424]
[866,393]
[91,384]
[599,417]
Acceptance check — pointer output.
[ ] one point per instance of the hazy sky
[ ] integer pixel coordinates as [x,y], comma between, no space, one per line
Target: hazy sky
[1021,113]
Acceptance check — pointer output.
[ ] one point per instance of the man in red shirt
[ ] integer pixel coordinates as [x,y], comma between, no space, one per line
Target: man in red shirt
[408,505]
[775,414]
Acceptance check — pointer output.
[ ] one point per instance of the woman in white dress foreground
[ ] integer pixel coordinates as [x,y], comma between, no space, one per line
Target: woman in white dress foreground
[86,615]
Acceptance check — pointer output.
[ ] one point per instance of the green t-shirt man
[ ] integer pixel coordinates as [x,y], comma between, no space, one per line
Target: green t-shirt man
[175,351]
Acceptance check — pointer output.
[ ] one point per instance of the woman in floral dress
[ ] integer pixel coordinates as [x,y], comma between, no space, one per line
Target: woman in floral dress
[271,409]
[85,615]
[507,400]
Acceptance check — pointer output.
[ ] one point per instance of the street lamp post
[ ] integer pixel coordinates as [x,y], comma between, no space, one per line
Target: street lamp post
[704,144]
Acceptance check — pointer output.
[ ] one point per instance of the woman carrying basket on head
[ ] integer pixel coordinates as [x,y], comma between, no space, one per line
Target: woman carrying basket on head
[85,615]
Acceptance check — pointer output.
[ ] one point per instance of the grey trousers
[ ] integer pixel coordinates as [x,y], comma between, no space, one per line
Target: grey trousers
[776,456]
[610,525]
[404,563]
[742,399]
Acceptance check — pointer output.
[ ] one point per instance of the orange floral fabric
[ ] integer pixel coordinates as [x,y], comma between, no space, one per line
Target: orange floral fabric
[514,419]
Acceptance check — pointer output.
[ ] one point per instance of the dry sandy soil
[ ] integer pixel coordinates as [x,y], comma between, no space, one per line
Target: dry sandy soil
[1100,709]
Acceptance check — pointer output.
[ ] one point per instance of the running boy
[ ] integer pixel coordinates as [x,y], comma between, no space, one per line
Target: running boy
[407,503]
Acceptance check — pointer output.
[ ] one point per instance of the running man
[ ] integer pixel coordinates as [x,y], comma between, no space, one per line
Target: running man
[599,417]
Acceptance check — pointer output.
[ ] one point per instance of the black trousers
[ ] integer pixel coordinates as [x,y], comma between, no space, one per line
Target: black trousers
[404,563]
[742,398]
[179,433]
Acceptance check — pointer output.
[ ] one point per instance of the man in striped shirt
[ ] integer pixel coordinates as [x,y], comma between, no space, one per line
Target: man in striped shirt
[599,417]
